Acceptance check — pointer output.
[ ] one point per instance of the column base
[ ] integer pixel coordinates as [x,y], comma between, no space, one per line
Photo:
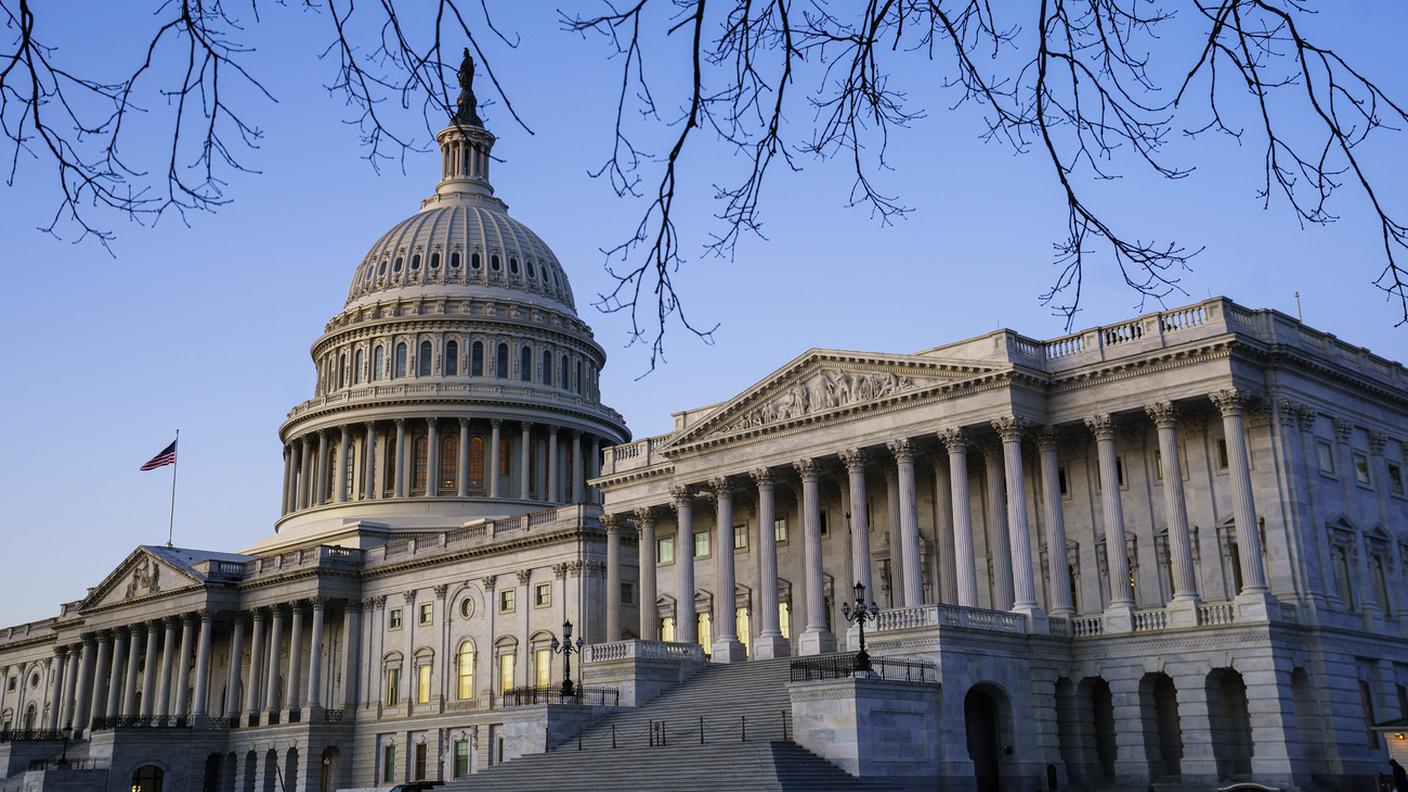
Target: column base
[767,647]
[1118,618]
[1183,612]
[1036,618]
[1256,606]
[728,650]
[816,640]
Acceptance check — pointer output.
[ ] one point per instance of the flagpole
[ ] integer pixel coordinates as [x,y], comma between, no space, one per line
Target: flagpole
[171,513]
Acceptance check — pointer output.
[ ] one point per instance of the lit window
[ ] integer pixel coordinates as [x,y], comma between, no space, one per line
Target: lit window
[423,683]
[427,613]
[393,619]
[505,457]
[667,628]
[466,671]
[393,686]
[449,462]
[418,464]
[665,550]
[1395,479]
[542,668]
[701,544]
[704,626]
[542,595]
[423,364]
[784,619]
[740,537]
[506,600]
[745,626]
[452,358]
[779,530]
[506,663]
[476,462]
[1361,468]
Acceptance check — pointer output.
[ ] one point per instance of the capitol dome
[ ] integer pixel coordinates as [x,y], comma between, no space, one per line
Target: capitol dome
[457,383]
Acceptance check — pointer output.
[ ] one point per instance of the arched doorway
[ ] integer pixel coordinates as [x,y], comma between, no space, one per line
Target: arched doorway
[251,769]
[271,770]
[1069,734]
[327,770]
[211,781]
[1098,715]
[1229,723]
[148,778]
[290,779]
[982,714]
[1163,735]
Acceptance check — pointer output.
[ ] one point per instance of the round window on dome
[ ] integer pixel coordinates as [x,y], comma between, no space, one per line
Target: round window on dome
[397,266]
[435,260]
[513,265]
[494,262]
[474,260]
[532,273]
[415,262]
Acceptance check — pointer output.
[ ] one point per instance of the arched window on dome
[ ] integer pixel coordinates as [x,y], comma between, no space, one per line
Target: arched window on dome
[435,260]
[397,266]
[464,660]
[532,271]
[476,463]
[358,361]
[513,265]
[562,380]
[494,262]
[381,270]
[546,374]
[455,260]
[330,475]
[525,363]
[449,462]
[415,262]
[418,465]
[342,370]
[474,261]
[378,362]
[423,359]
[501,362]
[452,358]
[400,364]
[476,359]
[577,381]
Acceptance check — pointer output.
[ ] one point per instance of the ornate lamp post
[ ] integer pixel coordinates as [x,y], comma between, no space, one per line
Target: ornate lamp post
[858,615]
[67,733]
[567,649]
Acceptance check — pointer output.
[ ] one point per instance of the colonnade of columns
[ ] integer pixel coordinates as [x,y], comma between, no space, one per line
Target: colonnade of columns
[552,463]
[1013,582]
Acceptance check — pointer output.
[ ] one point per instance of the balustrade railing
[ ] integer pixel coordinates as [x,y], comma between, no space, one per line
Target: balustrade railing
[1087,626]
[846,665]
[1212,613]
[921,616]
[1150,620]
[650,650]
[29,735]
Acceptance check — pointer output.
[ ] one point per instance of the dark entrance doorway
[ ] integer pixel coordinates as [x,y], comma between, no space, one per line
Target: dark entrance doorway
[980,712]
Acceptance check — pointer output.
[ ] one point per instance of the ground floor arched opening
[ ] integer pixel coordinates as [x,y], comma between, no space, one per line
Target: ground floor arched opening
[327,770]
[987,720]
[1230,723]
[148,778]
[211,778]
[1163,733]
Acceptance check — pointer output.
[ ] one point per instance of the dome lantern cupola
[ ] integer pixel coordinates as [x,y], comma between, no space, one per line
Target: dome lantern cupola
[464,146]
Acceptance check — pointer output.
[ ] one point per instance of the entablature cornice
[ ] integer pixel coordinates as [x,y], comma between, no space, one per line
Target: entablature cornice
[387,568]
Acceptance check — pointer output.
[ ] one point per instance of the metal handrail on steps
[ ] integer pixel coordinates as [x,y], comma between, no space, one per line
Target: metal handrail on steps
[660,731]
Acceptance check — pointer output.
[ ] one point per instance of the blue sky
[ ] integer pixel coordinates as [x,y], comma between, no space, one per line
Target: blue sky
[207,327]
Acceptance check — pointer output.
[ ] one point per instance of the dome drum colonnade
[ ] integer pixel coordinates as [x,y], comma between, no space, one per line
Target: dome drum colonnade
[1013,580]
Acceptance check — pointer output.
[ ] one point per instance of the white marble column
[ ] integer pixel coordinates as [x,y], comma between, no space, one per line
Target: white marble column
[149,671]
[1117,558]
[369,463]
[909,522]
[400,488]
[52,719]
[117,673]
[293,697]
[943,529]
[964,563]
[352,654]
[232,682]
[612,523]
[340,467]
[98,686]
[854,460]
[727,648]
[686,630]
[578,469]
[495,438]
[649,592]
[286,500]
[432,460]
[201,694]
[1023,579]
[320,473]
[1180,546]
[271,682]
[769,642]
[305,474]
[127,707]
[594,468]
[183,668]
[315,655]
[554,471]
[895,581]
[82,700]
[999,542]
[1231,403]
[256,663]
[815,638]
[168,660]
[1058,570]
[525,470]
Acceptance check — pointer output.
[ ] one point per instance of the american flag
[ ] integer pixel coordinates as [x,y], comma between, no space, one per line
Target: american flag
[166,457]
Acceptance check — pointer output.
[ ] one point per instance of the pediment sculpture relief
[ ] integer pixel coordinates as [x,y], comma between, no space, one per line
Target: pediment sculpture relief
[825,390]
[146,579]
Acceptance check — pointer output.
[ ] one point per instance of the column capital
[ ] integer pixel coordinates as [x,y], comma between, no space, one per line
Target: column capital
[1230,401]
[852,458]
[172,621]
[1343,429]
[409,596]
[559,570]
[1009,427]
[526,426]
[258,614]
[525,576]
[1377,441]
[1102,426]
[643,515]
[206,615]
[1048,438]
[496,422]
[354,605]
[105,635]
[400,422]
[808,468]
[317,603]
[954,439]
[441,589]
[901,448]
[763,477]
[721,486]
[611,522]
[488,582]
[679,493]
[553,429]
[1163,414]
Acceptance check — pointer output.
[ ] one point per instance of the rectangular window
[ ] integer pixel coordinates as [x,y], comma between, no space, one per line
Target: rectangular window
[427,613]
[784,619]
[506,600]
[388,763]
[665,550]
[779,530]
[1325,454]
[701,544]
[542,595]
[1119,470]
[393,619]
[825,526]
[1158,464]
[1221,453]
[1062,483]
[1361,469]
[1395,479]
[628,593]
[542,669]
[423,683]
[506,663]
[393,686]
[422,756]
[667,628]
[740,537]
[461,758]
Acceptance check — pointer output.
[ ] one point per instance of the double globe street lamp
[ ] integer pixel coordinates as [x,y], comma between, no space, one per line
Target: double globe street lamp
[859,615]
[567,649]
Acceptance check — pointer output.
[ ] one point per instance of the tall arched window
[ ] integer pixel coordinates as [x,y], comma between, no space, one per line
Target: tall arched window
[418,465]
[449,462]
[465,658]
[342,370]
[358,360]
[501,362]
[330,475]
[525,363]
[577,383]
[546,374]
[378,362]
[562,373]
[400,370]
[423,360]
[476,359]
[476,462]
[452,358]
[505,464]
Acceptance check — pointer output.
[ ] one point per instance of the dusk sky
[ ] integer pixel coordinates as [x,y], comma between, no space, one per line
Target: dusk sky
[206,327]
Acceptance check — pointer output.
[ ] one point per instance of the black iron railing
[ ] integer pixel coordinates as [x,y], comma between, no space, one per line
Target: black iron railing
[69,764]
[29,735]
[661,733]
[135,722]
[588,697]
[334,715]
[844,665]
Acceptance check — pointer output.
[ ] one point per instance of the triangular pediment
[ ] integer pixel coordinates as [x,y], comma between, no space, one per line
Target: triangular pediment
[822,381]
[141,574]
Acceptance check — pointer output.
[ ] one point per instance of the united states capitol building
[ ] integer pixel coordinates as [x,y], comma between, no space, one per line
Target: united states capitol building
[1165,553]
